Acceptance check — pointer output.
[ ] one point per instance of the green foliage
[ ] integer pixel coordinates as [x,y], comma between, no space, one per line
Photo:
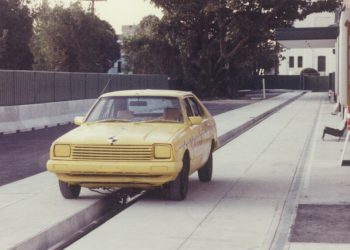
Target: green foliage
[15,33]
[219,43]
[148,52]
[69,39]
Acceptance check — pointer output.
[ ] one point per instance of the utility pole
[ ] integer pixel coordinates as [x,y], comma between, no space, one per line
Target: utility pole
[93,5]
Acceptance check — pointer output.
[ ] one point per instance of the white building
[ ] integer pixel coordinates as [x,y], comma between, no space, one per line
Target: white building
[336,37]
[298,57]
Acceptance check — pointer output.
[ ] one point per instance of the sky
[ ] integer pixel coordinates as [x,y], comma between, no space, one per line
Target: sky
[120,12]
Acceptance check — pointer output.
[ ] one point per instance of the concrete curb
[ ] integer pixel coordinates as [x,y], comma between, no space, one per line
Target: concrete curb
[64,230]
[234,133]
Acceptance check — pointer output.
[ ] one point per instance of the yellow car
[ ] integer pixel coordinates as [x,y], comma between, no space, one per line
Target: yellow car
[137,139]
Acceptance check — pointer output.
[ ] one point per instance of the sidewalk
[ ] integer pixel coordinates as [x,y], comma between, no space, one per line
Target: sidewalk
[35,216]
[325,194]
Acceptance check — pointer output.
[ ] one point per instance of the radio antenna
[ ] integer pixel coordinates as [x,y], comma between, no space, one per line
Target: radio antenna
[109,80]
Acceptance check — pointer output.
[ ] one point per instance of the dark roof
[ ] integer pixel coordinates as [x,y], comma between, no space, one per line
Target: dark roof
[317,33]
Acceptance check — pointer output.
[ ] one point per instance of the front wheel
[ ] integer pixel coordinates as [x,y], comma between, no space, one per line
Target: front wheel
[69,191]
[177,190]
[205,173]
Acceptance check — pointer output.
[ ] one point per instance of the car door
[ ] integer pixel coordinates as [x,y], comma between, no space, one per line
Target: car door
[194,138]
[204,131]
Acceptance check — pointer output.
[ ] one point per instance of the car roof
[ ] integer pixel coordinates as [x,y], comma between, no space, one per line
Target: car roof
[148,92]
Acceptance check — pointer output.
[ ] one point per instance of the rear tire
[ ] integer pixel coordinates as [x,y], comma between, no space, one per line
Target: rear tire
[69,191]
[177,190]
[205,173]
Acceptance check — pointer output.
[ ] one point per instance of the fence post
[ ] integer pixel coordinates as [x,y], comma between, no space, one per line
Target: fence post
[84,86]
[70,87]
[13,88]
[54,86]
[35,92]
[263,87]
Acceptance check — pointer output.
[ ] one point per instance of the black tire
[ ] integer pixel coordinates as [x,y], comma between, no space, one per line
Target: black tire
[205,173]
[177,190]
[69,191]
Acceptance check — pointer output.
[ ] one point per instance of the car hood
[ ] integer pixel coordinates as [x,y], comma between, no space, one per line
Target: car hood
[124,133]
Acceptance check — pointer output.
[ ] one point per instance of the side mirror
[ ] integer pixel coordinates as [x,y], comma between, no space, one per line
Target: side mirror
[78,120]
[195,120]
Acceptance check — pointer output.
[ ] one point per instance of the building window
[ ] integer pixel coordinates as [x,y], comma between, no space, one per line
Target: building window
[322,64]
[291,62]
[300,61]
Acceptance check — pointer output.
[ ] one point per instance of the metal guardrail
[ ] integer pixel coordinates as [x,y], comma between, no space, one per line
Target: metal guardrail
[29,87]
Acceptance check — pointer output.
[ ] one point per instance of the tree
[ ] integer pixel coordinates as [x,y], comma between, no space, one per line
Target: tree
[219,40]
[69,39]
[15,34]
[148,52]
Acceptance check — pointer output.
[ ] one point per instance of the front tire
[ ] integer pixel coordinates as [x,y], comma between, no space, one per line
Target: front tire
[69,191]
[205,173]
[177,190]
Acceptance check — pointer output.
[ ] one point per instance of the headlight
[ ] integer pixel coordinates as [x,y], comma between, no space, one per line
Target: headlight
[162,151]
[61,150]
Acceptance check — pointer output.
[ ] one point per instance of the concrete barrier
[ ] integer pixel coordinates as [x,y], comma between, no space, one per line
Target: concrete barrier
[37,116]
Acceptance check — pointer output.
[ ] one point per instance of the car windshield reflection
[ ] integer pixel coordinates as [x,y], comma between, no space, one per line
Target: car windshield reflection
[137,109]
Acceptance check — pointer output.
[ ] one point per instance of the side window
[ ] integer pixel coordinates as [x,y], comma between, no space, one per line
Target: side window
[199,107]
[188,107]
[197,110]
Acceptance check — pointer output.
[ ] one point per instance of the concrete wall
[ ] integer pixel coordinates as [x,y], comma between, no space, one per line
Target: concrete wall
[342,60]
[36,116]
[310,60]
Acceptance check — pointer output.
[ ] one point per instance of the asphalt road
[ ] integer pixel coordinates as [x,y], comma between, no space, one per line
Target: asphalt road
[25,154]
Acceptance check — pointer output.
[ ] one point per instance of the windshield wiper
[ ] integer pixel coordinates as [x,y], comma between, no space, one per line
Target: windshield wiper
[113,120]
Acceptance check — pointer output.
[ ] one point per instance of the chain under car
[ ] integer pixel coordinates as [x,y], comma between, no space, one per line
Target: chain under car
[121,196]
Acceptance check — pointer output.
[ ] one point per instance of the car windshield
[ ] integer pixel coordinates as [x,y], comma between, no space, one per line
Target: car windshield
[137,109]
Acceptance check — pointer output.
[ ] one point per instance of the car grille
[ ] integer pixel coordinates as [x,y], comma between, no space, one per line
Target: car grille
[112,153]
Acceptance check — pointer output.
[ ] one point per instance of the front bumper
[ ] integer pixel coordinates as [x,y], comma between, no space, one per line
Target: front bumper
[99,174]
